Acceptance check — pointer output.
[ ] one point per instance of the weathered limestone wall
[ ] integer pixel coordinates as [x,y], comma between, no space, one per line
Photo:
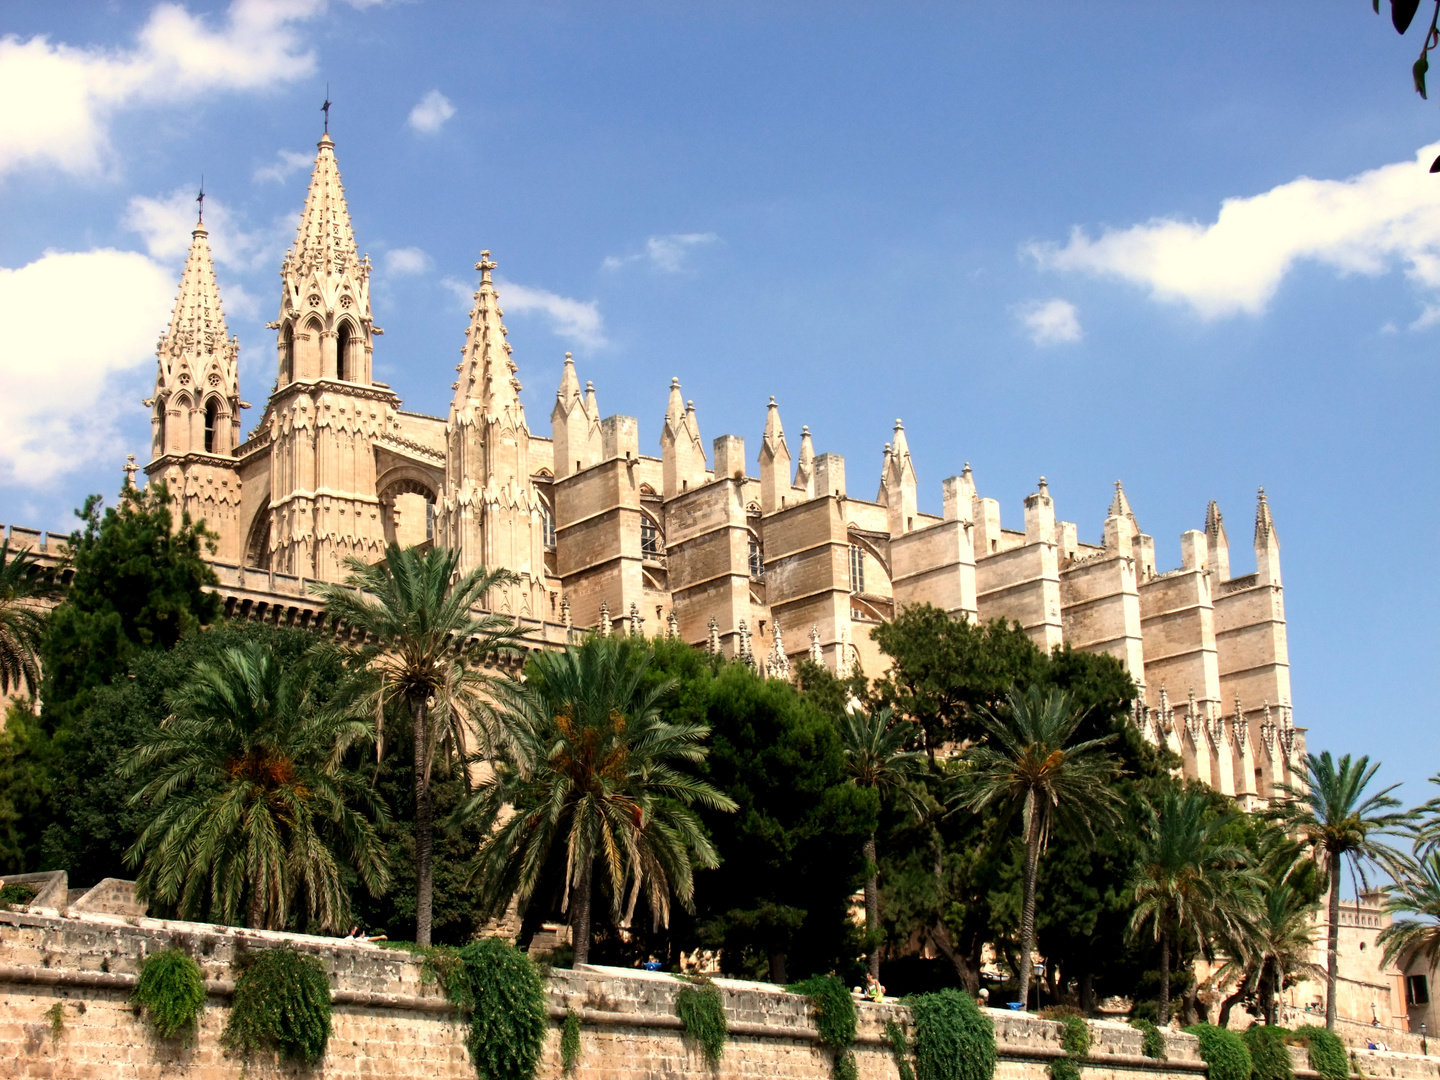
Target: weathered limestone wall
[388,1022]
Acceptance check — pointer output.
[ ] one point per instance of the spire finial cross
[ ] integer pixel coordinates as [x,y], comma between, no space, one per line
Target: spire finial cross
[326,108]
[130,470]
[200,200]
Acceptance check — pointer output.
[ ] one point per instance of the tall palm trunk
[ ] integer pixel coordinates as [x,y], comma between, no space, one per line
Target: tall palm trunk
[1027,910]
[424,847]
[872,903]
[1332,944]
[1164,1010]
[580,914]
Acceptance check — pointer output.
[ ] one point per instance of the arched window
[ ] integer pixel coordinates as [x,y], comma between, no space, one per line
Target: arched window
[160,447]
[651,546]
[757,559]
[547,527]
[857,568]
[212,417]
[342,354]
[287,354]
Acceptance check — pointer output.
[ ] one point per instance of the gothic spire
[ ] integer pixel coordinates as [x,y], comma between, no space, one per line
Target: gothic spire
[1264,523]
[197,343]
[1120,505]
[325,242]
[487,374]
[1214,522]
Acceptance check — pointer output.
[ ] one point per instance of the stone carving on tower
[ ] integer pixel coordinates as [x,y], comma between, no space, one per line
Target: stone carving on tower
[326,412]
[489,510]
[195,409]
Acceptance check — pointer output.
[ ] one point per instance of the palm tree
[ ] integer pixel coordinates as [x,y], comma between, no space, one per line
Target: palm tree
[1033,765]
[1416,892]
[1333,817]
[421,635]
[597,769]
[24,589]
[1189,881]
[876,758]
[1266,955]
[252,805]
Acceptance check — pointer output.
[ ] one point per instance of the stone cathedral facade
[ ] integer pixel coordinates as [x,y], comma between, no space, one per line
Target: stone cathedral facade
[768,559]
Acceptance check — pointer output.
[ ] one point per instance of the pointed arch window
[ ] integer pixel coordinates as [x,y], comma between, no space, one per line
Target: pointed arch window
[651,546]
[342,354]
[160,446]
[212,421]
[287,354]
[857,568]
[757,558]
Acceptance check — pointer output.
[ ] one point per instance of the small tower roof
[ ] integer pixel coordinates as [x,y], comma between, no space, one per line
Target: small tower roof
[197,340]
[325,241]
[1120,505]
[1264,524]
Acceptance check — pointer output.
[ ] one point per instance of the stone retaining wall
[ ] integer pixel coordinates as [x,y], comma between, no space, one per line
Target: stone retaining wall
[389,1023]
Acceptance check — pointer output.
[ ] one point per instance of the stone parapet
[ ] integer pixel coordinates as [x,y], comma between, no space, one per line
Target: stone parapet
[389,1021]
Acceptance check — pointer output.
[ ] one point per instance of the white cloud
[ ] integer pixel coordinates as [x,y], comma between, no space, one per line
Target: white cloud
[1368,224]
[578,320]
[665,253]
[166,223]
[1050,322]
[462,292]
[430,114]
[62,97]
[402,262]
[59,361]
[285,165]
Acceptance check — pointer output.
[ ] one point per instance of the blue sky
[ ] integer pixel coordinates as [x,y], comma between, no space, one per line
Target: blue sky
[869,212]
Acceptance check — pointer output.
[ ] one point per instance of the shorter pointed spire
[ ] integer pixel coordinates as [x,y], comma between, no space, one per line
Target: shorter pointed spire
[1214,521]
[1264,523]
[1120,505]
[569,389]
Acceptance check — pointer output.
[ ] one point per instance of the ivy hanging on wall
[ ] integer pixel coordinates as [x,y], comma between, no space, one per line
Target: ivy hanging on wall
[281,1003]
[171,990]
[702,1012]
[835,1018]
[954,1040]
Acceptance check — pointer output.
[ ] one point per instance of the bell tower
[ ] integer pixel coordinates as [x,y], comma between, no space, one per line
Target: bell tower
[195,410]
[326,411]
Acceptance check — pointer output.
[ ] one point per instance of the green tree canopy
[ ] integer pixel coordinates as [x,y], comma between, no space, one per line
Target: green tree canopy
[140,582]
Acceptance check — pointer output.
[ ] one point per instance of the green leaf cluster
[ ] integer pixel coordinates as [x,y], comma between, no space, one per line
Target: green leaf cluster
[1223,1052]
[702,1012]
[281,1004]
[1269,1052]
[1326,1052]
[1065,1068]
[17,894]
[899,1049]
[953,1039]
[171,989]
[835,1018]
[504,995]
[570,1041]
[1075,1037]
[1152,1039]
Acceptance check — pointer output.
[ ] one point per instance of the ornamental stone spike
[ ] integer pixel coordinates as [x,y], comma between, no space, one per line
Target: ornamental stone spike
[712,643]
[604,618]
[672,625]
[817,654]
[637,621]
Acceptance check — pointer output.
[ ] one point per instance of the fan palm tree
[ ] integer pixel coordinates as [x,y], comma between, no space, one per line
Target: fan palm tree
[876,758]
[25,588]
[1333,817]
[1416,892]
[253,808]
[1029,762]
[422,638]
[1189,882]
[597,769]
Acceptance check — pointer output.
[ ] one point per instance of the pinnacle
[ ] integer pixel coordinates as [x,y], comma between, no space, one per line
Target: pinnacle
[1120,505]
[1264,523]
[325,241]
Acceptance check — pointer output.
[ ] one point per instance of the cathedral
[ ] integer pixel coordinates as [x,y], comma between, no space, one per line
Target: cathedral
[689,544]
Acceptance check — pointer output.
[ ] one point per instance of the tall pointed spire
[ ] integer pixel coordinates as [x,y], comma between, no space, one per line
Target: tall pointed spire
[1264,523]
[325,241]
[899,484]
[488,376]
[574,424]
[774,462]
[682,454]
[1217,544]
[1267,544]
[1120,505]
[805,465]
[197,384]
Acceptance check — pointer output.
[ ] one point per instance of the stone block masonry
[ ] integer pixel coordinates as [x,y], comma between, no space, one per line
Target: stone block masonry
[390,1023]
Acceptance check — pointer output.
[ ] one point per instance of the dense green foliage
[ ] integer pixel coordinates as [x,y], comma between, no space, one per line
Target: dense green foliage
[1065,1068]
[702,1012]
[253,809]
[1075,1037]
[282,1004]
[17,894]
[503,993]
[570,1040]
[953,1039]
[899,1049]
[1269,1053]
[171,989]
[1223,1052]
[1152,1039]
[1326,1052]
[835,1018]
[139,583]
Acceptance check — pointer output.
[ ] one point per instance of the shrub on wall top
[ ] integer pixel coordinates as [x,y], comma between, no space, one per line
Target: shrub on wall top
[1327,1052]
[953,1039]
[702,1012]
[171,989]
[1223,1051]
[1269,1053]
[504,994]
[281,1003]
[1152,1040]
[1075,1037]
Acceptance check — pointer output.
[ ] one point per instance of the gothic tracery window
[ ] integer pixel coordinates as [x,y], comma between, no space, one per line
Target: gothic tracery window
[757,559]
[212,416]
[857,568]
[651,546]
